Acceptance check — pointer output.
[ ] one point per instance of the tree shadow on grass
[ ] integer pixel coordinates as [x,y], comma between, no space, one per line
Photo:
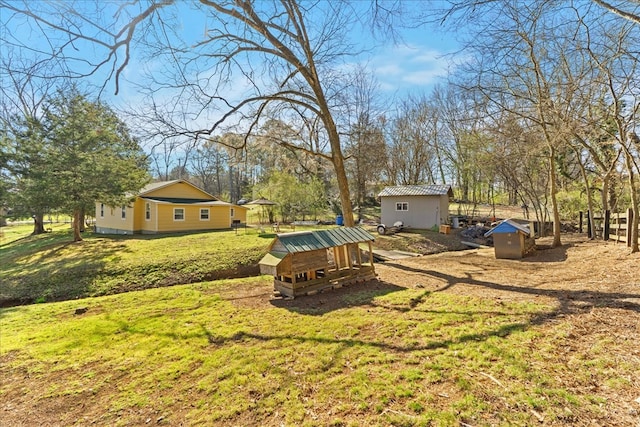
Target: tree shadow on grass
[569,301]
[47,276]
[501,331]
[357,294]
[546,253]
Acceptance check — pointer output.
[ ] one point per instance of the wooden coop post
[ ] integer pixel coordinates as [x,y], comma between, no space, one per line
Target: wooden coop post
[371,257]
[345,250]
[337,258]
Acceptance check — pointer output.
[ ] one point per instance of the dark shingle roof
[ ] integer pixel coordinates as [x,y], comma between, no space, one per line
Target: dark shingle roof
[416,190]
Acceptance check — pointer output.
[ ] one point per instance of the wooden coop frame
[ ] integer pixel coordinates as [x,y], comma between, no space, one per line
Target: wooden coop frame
[307,262]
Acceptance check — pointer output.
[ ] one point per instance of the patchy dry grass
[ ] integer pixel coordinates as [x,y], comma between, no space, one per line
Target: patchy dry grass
[195,354]
[450,339]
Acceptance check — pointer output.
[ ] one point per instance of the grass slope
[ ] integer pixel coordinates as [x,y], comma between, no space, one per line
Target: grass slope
[225,353]
[197,355]
[51,267]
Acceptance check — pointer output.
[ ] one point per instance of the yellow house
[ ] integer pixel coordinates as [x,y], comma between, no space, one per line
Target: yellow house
[169,206]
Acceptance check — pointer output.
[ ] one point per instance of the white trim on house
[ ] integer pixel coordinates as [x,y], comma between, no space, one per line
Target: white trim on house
[175,210]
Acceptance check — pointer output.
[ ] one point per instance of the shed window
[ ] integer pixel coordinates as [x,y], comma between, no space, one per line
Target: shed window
[178,214]
[147,211]
[402,206]
[204,214]
[124,212]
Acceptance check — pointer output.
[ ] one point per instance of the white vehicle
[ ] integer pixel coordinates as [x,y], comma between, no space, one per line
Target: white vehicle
[383,229]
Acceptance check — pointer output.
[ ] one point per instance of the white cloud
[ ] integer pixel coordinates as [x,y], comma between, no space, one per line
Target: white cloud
[407,67]
[425,77]
[388,70]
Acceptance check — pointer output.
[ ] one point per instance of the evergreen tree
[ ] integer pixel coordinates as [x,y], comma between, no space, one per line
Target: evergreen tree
[78,153]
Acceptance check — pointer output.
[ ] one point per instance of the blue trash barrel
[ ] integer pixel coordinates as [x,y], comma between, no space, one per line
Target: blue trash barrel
[339,220]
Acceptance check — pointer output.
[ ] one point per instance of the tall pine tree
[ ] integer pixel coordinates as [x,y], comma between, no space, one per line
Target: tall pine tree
[79,152]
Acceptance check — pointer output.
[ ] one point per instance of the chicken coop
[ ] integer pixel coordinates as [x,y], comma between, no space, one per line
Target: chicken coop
[307,262]
[511,240]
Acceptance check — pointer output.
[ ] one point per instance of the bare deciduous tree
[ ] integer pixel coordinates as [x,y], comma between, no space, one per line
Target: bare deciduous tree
[251,58]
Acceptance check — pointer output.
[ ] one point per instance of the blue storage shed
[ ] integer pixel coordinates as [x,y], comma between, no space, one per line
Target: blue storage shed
[511,239]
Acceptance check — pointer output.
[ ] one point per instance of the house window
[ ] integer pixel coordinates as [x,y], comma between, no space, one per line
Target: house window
[124,212]
[402,206]
[178,214]
[204,214]
[147,211]
[233,212]
[101,210]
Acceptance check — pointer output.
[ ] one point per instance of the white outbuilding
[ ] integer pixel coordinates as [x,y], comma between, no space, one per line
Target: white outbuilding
[417,206]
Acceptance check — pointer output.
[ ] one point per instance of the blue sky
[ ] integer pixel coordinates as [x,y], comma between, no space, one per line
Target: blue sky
[412,67]
[415,66]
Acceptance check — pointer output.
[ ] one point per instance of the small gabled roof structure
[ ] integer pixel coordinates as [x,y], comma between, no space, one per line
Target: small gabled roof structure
[309,261]
[261,202]
[417,190]
[152,187]
[511,239]
[508,226]
[305,241]
[155,185]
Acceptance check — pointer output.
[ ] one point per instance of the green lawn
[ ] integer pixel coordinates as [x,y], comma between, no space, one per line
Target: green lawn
[225,352]
[199,355]
[50,267]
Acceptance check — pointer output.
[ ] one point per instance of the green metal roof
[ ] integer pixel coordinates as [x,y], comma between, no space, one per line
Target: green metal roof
[305,241]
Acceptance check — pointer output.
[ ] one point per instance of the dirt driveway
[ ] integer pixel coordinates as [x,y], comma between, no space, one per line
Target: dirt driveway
[578,274]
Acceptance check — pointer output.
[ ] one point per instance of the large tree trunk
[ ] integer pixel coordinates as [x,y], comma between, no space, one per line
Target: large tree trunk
[605,192]
[635,204]
[554,200]
[77,221]
[343,187]
[82,220]
[38,223]
[585,177]
[337,159]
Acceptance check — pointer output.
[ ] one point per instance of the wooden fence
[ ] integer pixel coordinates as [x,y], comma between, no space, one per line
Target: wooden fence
[612,226]
[619,226]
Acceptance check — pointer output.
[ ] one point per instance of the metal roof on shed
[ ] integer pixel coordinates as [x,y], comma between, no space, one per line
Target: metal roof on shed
[305,241]
[417,190]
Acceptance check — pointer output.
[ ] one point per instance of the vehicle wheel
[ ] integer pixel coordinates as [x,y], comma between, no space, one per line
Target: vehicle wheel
[381,230]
